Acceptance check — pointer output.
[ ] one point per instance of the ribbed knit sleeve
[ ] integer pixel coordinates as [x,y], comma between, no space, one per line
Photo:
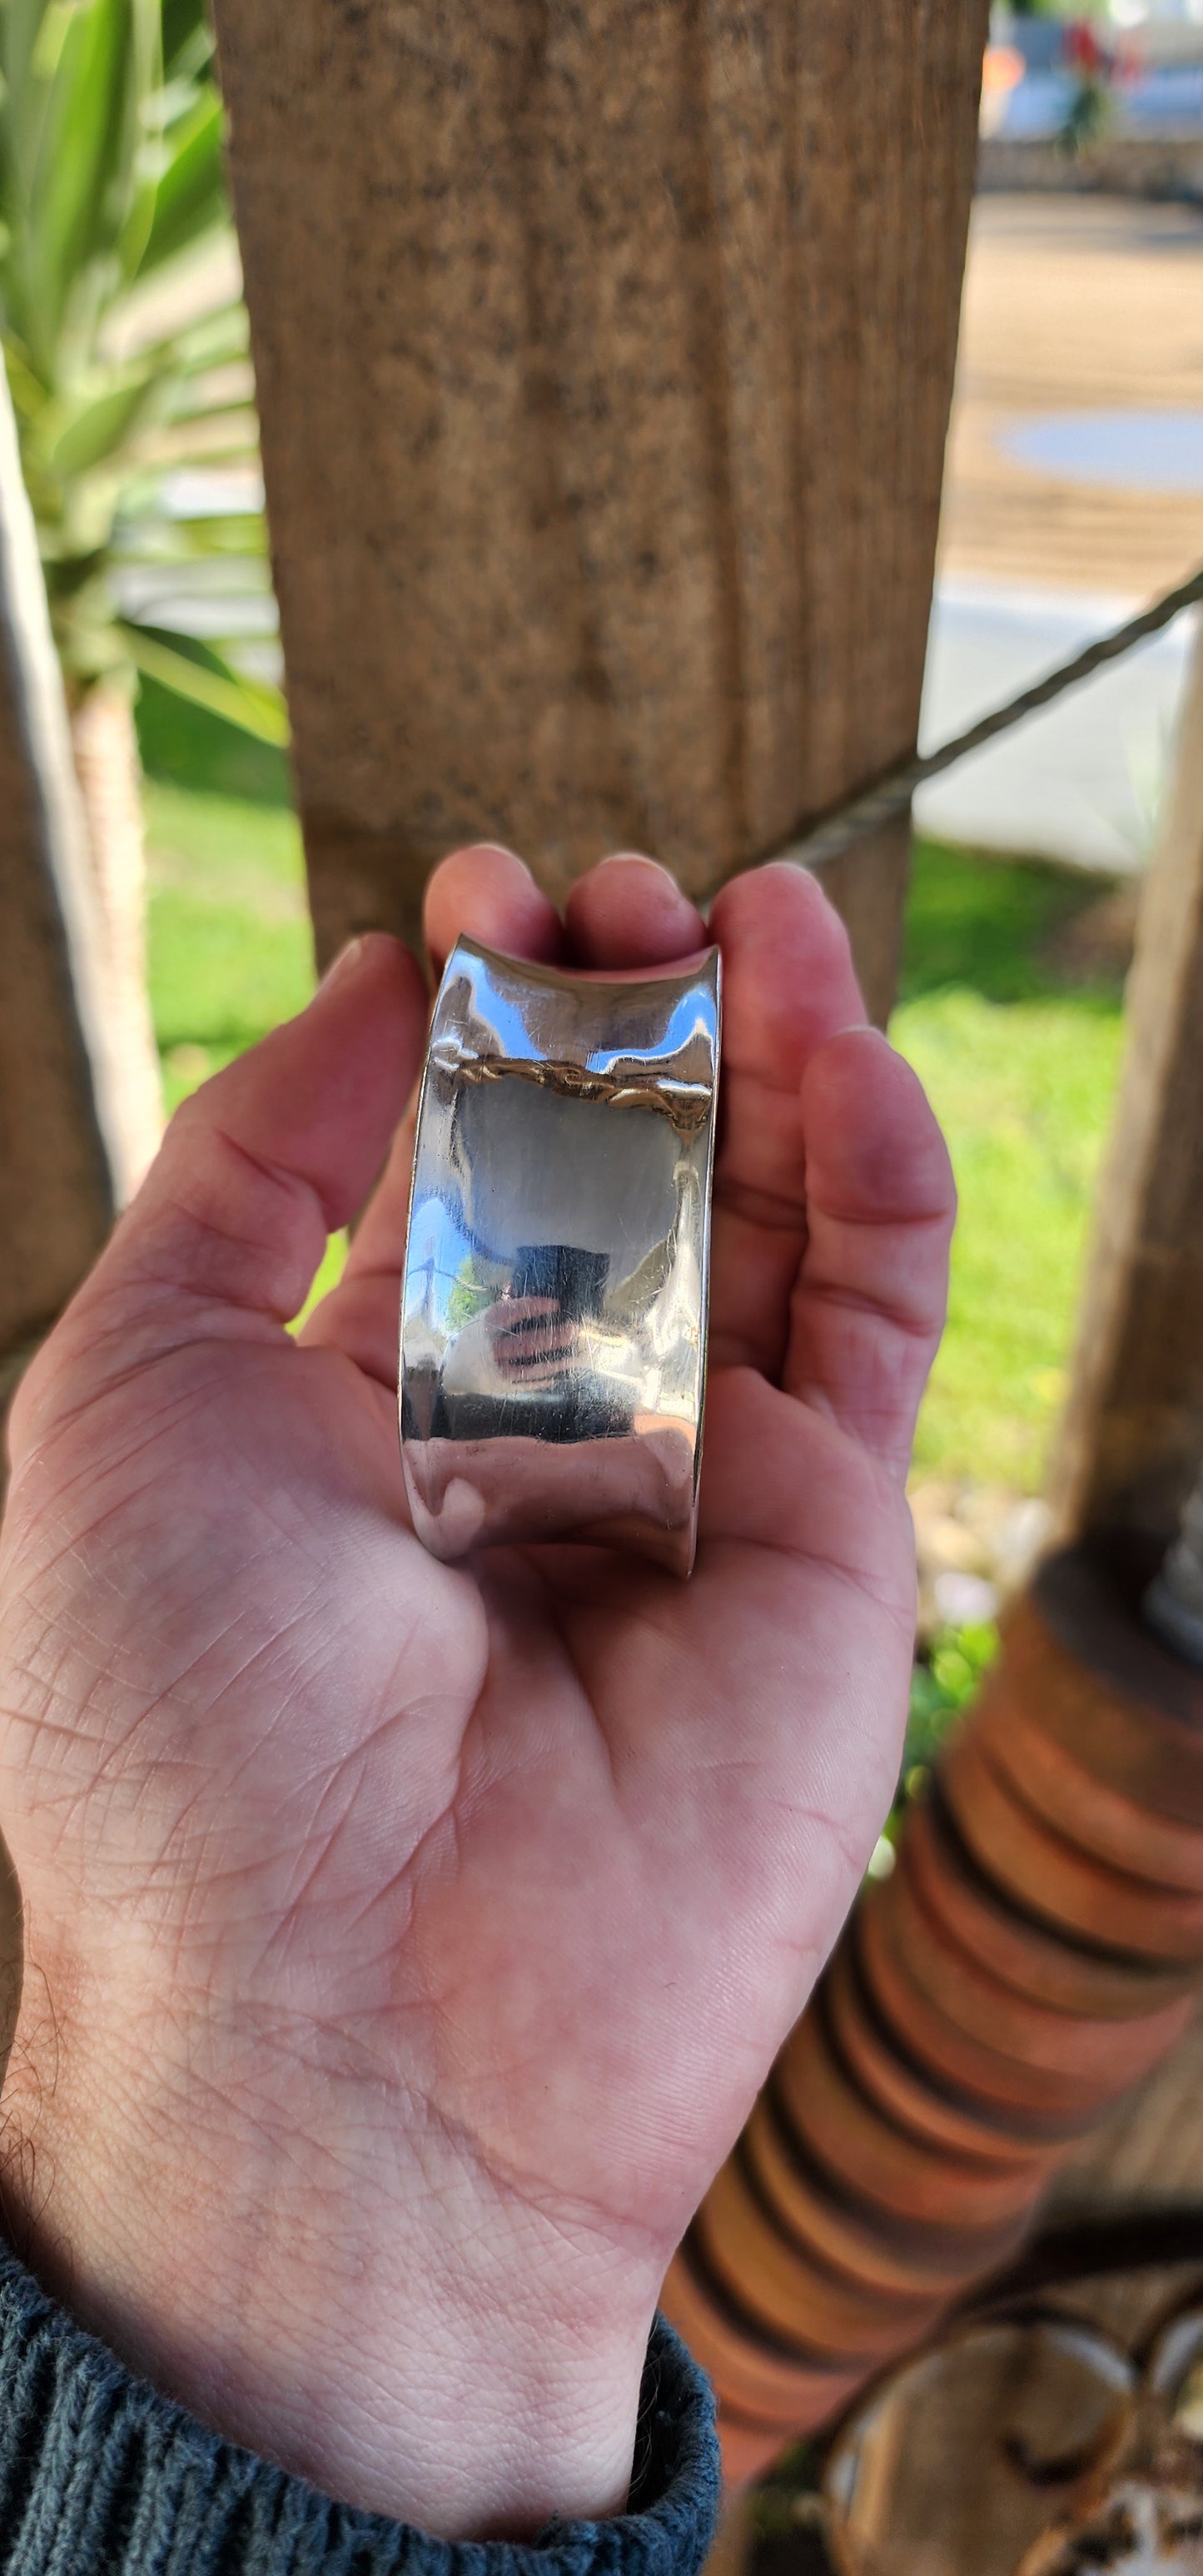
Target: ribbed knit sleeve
[100,2476]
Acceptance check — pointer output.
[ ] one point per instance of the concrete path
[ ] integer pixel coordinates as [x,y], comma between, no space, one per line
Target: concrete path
[1074,492]
[1079,782]
[1074,304]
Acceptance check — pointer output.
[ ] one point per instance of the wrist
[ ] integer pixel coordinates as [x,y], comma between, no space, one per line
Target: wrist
[370,2317]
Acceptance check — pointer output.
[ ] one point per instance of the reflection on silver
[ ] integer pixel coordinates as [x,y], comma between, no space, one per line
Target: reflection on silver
[553,1311]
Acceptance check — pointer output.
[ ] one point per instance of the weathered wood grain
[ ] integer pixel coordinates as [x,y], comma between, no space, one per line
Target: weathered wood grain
[1132,1437]
[1146,2155]
[1146,2149]
[604,357]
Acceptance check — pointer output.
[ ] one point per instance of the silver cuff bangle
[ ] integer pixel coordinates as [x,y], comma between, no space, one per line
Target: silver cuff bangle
[554,1304]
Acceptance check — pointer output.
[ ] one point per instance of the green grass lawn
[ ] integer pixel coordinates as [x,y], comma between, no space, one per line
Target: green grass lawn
[1018,1049]
[230,950]
[1019,1052]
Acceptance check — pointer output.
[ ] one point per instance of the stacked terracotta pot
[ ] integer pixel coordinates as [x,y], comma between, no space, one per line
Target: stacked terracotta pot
[1034,1953]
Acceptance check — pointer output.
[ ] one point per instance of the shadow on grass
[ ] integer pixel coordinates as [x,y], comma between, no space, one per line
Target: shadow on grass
[1013,930]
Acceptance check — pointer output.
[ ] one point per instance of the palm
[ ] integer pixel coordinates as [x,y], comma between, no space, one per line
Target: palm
[551,1846]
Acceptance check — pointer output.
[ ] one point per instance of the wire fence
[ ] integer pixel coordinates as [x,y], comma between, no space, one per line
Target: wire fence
[870,807]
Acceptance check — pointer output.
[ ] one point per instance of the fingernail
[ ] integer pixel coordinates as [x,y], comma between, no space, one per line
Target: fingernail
[347,958]
[640,859]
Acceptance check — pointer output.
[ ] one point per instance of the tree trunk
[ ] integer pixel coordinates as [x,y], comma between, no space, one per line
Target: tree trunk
[66,1158]
[106,760]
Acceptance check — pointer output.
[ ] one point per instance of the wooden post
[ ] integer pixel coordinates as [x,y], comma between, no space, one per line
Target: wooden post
[604,358]
[1132,1436]
[69,1136]
[67,1148]
[1040,1944]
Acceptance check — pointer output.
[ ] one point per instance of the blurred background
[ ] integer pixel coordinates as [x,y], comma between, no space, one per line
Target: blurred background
[1074,491]
[603,445]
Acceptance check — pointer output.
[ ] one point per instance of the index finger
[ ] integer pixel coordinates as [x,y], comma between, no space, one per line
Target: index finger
[868,1308]
[788,986]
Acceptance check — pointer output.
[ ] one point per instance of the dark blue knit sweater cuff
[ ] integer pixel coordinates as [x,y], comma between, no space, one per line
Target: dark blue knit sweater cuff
[100,2476]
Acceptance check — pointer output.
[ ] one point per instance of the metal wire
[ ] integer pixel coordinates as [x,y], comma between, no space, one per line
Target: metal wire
[871,806]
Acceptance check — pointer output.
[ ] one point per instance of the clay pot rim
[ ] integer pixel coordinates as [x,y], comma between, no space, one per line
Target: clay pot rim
[960,2249]
[1001,2143]
[1161,1979]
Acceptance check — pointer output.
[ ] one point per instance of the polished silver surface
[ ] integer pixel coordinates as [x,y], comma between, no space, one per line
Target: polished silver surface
[553,1308]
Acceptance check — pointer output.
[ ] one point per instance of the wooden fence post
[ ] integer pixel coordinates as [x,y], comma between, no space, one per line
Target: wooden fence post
[1039,1946]
[1132,1436]
[604,359]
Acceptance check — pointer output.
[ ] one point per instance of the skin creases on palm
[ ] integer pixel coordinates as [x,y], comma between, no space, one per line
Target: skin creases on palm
[443,1921]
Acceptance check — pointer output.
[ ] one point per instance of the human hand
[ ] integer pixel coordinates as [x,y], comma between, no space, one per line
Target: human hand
[406,1942]
[525,1340]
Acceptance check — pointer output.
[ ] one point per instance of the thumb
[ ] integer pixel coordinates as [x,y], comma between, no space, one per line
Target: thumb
[255,1170]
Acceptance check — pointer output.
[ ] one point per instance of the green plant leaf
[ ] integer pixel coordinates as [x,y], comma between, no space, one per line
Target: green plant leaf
[26,100]
[27,390]
[50,39]
[81,434]
[200,391]
[110,167]
[187,38]
[182,541]
[214,340]
[251,704]
[190,195]
[84,162]
[134,204]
